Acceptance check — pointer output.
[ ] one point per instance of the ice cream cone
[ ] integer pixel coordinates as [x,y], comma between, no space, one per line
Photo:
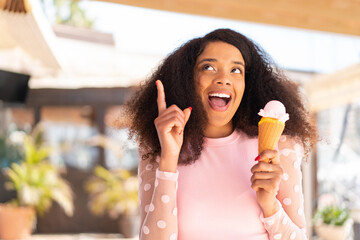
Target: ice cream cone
[270,130]
[271,125]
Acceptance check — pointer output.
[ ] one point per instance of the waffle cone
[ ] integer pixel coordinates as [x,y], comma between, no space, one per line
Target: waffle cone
[270,130]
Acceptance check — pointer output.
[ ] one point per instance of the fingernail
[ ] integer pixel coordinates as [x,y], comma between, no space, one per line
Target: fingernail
[257,158]
[180,132]
[156,82]
[190,108]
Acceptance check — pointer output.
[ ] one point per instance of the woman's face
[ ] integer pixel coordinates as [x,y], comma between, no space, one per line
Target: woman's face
[220,83]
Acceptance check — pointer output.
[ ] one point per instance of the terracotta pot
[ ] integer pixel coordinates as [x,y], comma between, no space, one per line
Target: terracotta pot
[16,222]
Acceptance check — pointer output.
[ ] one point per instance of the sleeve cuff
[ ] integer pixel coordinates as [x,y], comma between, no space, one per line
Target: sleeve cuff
[167,175]
[270,220]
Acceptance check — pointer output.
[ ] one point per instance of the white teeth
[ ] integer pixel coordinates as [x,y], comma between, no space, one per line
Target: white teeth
[221,95]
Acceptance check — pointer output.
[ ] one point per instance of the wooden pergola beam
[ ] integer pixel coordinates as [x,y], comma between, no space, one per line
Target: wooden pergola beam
[337,16]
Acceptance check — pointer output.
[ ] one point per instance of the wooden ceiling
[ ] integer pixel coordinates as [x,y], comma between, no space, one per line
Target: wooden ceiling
[337,16]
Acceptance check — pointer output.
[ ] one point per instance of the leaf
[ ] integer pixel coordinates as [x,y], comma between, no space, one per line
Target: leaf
[34,154]
[114,192]
[332,215]
[38,182]
[64,199]
[103,173]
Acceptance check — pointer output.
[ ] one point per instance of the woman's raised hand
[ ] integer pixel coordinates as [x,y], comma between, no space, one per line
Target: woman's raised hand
[170,125]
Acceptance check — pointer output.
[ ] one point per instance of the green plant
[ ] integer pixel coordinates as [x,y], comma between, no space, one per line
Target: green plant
[10,152]
[37,182]
[114,192]
[69,12]
[331,215]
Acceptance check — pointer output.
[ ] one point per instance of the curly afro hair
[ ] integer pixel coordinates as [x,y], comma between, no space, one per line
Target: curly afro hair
[263,82]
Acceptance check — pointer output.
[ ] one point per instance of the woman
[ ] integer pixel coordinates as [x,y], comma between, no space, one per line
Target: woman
[196,123]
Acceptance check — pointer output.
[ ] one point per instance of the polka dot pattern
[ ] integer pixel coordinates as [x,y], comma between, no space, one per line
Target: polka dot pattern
[285,220]
[175,212]
[147,187]
[278,236]
[298,149]
[149,167]
[161,224]
[287,201]
[297,164]
[173,236]
[285,152]
[151,207]
[146,230]
[165,198]
[147,208]
[285,176]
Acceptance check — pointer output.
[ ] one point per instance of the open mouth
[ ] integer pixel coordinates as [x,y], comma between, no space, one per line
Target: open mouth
[219,101]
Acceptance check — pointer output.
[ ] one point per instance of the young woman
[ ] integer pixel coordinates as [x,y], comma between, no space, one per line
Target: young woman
[196,123]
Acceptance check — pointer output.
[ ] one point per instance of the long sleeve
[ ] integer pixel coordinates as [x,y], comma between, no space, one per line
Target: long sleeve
[289,221]
[158,209]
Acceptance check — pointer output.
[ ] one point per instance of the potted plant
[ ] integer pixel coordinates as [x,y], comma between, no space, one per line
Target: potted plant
[332,223]
[115,192]
[37,184]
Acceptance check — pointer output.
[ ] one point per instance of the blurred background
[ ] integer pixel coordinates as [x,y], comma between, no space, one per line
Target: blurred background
[67,67]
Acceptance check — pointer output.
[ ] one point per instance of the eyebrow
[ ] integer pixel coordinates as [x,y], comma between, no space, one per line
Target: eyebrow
[215,60]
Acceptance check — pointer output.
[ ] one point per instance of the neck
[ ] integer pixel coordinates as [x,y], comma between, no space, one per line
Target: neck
[218,132]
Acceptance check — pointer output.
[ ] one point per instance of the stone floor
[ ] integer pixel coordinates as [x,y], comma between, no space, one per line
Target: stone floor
[81,236]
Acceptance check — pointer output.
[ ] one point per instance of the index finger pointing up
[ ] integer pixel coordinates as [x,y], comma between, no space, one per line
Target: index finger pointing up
[161,96]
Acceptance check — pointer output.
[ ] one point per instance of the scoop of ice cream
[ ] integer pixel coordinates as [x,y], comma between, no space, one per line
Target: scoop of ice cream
[275,109]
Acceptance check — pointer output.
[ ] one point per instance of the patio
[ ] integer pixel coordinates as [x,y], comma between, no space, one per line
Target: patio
[81,236]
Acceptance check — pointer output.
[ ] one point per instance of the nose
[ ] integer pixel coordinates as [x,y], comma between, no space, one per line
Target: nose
[222,78]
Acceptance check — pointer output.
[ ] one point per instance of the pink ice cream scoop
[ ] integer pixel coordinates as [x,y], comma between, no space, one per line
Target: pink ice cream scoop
[271,125]
[275,109]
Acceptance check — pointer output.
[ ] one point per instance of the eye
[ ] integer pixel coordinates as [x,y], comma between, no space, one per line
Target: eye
[208,67]
[236,70]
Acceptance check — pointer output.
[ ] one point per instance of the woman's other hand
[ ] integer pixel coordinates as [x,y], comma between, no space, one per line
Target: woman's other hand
[265,181]
[170,125]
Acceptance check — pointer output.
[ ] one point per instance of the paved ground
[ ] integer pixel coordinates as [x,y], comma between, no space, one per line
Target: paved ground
[82,236]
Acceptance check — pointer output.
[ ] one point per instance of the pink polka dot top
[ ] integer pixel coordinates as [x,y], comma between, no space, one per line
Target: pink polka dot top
[212,198]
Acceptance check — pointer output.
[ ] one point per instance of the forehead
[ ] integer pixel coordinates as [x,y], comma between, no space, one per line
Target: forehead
[221,50]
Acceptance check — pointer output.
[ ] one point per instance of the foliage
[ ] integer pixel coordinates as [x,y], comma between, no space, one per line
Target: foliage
[114,192]
[71,13]
[37,182]
[10,151]
[331,215]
